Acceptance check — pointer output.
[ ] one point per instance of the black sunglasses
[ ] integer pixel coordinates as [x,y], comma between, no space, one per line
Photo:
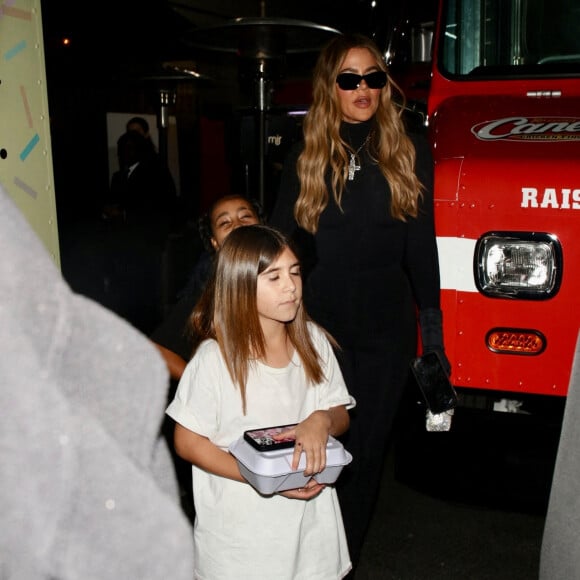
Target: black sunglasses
[350,81]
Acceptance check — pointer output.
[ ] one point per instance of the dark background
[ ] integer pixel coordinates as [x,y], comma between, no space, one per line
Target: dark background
[114,63]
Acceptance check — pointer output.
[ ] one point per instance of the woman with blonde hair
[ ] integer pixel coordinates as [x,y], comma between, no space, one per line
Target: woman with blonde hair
[357,196]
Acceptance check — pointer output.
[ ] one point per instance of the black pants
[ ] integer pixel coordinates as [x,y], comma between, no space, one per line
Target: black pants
[376,378]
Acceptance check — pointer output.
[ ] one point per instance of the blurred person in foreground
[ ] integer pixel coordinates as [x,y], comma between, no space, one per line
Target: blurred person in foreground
[87,489]
[559,556]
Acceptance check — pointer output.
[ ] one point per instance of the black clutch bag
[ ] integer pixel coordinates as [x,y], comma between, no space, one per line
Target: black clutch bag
[437,390]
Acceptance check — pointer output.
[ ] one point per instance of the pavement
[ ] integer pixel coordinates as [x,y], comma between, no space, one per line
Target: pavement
[415,536]
[445,513]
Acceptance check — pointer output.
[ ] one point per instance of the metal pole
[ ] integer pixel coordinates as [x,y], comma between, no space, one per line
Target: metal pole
[261,130]
[166,100]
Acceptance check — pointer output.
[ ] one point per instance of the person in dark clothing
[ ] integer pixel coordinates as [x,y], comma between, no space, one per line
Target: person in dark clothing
[225,215]
[172,336]
[357,196]
[142,191]
[139,211]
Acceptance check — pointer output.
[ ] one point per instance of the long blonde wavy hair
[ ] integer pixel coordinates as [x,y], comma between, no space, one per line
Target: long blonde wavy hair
[324,148]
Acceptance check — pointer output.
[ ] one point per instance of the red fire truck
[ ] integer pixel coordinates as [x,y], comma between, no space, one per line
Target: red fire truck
[504,121]
[502,108]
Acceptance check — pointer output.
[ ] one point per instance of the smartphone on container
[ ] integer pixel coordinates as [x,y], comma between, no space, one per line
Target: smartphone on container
[434,383]
[262,439]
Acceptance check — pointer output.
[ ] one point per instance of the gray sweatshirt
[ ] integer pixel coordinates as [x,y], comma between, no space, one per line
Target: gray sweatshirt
[87,485]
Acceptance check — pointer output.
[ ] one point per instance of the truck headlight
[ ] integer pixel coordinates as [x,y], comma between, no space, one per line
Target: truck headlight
[525,265]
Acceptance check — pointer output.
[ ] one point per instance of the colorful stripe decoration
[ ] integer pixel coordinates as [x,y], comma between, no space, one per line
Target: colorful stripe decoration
[29,147]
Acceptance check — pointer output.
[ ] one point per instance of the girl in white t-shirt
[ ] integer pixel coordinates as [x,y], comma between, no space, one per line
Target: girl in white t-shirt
[260,361]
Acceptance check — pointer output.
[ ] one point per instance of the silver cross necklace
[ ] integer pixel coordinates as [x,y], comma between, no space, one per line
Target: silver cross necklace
[352,164]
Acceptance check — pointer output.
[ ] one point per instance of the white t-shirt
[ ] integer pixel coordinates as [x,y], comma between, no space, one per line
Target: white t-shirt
[240,534]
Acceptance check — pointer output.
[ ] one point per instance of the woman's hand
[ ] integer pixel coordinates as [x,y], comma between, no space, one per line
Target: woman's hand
[310,490]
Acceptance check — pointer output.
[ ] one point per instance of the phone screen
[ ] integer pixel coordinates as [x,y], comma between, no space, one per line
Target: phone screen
[434,383]
[262,439]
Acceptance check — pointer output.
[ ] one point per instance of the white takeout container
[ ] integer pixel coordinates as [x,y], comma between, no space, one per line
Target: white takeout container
[271,471]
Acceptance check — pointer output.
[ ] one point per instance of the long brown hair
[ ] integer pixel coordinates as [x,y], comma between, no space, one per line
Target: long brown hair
[228,312]
[324,148]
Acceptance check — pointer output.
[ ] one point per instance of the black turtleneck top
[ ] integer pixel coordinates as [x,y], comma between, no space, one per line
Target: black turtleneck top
[366,273]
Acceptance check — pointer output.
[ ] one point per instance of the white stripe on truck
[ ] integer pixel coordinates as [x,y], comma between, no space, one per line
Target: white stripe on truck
[456,263]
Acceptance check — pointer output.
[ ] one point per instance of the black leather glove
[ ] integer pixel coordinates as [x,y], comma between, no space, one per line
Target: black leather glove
[431,325]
